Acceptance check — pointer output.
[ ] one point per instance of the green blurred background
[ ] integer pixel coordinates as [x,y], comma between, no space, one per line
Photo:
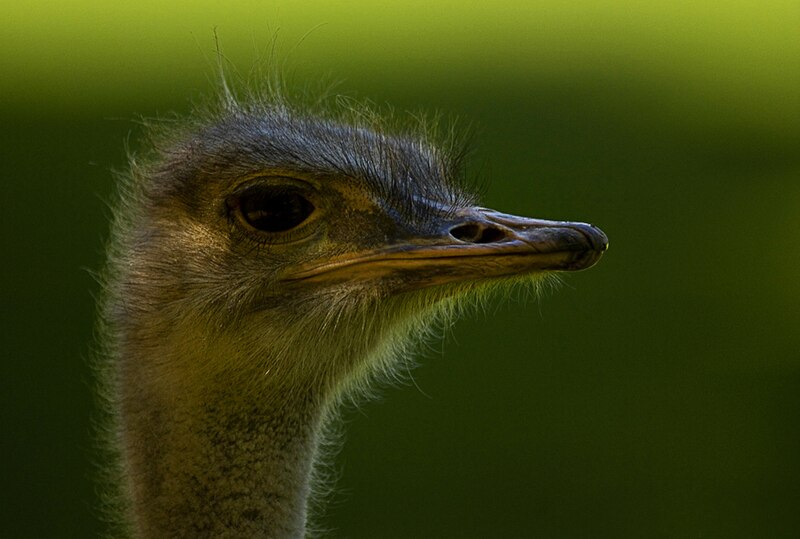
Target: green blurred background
[656,395]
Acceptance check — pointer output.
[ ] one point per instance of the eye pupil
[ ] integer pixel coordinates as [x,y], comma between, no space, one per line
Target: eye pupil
[272,209]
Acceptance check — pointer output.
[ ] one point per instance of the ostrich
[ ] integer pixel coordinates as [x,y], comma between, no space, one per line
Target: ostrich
[268,260]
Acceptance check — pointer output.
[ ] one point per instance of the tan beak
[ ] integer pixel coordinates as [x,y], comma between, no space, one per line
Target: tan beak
[478,244]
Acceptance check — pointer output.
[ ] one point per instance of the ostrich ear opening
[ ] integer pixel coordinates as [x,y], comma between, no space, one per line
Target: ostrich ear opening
[477,244]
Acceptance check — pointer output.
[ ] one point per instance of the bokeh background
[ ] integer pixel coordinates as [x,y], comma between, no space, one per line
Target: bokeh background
[656,395]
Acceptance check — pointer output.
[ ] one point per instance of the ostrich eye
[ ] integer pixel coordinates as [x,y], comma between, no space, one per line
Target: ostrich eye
[274,209]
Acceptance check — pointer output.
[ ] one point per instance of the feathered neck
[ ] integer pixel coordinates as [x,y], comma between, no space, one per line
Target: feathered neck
[209,452]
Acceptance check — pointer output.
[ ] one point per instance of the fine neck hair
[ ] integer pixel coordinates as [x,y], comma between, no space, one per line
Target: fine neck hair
[220,425]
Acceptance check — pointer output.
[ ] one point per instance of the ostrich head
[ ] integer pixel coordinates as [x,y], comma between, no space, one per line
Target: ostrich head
[267,261]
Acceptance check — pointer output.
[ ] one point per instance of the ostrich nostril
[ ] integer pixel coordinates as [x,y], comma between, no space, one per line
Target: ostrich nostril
[478,233]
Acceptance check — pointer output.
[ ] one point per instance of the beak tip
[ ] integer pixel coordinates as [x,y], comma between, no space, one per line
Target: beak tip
[596,237]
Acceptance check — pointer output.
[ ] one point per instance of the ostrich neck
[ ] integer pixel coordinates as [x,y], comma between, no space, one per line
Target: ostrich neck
[219,459]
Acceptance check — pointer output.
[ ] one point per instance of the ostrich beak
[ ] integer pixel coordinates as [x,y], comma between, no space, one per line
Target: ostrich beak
[477,245]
